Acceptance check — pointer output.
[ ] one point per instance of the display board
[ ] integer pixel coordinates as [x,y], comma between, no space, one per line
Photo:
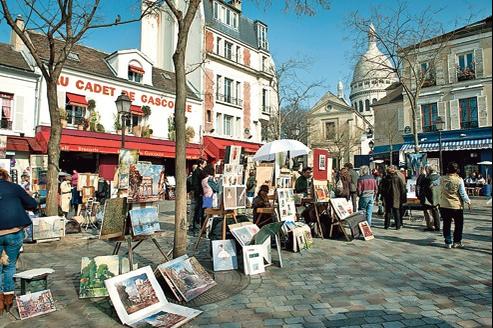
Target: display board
[287,207]
[321,164]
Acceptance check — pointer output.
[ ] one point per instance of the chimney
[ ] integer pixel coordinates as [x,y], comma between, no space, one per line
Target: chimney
[15,40]
[236,4]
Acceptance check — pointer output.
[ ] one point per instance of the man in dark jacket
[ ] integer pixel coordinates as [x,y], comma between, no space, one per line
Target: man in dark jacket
[301,186]
[197,194]
[429,196]
[393,191]
[354,185]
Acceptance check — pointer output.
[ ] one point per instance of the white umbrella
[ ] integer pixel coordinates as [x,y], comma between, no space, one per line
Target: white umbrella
[268,151]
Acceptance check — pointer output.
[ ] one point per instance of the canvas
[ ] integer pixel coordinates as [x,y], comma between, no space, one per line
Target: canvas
[188,276]
[170,316]
[287,208]
[366,230]
[321,191]
[241,196]
[229,198]
[411,188]
[147,182]
[87,180]
[115,214]
[244,232]
[224,255]
[94,271]
[34,304]
[253,259]
[48,227]
[126,158]
[264,174]
[144,221]
[342,207]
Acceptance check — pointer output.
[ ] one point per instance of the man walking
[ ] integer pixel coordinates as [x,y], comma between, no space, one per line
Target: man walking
[197,194]
[393,191]
[429,196]
[367,190]
[354,183]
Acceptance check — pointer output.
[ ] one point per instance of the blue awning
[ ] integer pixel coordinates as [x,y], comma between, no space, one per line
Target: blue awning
[385,149]
[450,145]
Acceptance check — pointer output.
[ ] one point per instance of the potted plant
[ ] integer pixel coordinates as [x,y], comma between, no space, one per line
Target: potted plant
[63,117]
[91,104]
[93,120]
[117,124]
[86,124]
[146,110]
[100,128]
[189,134]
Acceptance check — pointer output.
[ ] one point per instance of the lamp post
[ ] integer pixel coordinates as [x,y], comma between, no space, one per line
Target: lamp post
[439,125]
[371,144]
[123,103]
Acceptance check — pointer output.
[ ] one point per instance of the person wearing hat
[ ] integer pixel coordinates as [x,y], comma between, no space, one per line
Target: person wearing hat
[25,183]
[14,201]
[261,201]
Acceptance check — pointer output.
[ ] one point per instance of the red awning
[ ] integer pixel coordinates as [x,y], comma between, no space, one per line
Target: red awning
[77,100]
[107,143]
[215,147]
[136,69]
[136,110]
[26,144]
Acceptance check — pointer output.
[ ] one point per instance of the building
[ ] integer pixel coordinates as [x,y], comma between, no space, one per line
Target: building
[334,125]
[459,92]
[235,79]
[90,82]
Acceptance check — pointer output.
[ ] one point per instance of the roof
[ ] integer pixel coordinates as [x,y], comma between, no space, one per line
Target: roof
[92,61]
[246,32]
[11,58]
[394,94]
[478,27]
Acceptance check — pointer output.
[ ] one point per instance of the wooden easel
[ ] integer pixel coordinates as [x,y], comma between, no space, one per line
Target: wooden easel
[317,215]
[211,212]
[336,222]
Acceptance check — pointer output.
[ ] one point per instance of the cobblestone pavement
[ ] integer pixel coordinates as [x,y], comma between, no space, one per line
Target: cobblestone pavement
[402,278]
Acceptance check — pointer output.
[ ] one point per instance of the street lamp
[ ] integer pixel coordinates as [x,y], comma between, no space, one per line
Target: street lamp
[440,125]
[371,144]
[123,103]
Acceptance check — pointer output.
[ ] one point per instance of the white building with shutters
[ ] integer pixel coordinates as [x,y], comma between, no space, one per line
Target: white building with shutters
[461,94]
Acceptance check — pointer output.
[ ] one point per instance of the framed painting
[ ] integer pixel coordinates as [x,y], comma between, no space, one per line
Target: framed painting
[321,191]
[366,230]
[34,304]
[170,316]
[114,217]
[94,271]
[253,259]
[224,255]
[48,227]
[144,221]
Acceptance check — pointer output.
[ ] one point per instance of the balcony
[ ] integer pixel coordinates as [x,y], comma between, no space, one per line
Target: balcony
[229,100]
[469,125]
[431,128]
[230,55]
[5,124]
[266,110]
[466,73]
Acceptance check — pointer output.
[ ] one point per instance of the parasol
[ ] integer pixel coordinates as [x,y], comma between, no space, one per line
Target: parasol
[268,151]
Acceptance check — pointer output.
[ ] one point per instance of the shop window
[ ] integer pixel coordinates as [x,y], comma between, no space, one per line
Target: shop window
[468,108]
[6,104]
[429,113]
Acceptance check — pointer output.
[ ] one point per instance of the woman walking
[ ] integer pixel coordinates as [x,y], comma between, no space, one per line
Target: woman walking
[452,201]
[209,187]
[14,201]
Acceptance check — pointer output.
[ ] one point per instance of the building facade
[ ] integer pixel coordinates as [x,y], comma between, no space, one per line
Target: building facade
[460,93]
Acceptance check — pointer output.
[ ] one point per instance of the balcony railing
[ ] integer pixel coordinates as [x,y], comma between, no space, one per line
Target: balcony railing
[468,125]
[229,99]
[431,128]
[5,124]
[230,55]
[266,109]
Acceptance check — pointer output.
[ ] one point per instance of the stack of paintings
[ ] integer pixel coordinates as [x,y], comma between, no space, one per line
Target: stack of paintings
[34,304]
[144,221]
[287,208]
[94,271]
[186,277]
[140,302]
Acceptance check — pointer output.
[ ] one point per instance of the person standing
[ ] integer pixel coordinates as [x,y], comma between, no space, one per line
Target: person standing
[66,194]
[25,182]
[367,190]
[251,184]
[429,196]
[353,186]
[343,185]
[209,187]
[14,201]
[378,178]
[197,194]
[393,191]
[452,199]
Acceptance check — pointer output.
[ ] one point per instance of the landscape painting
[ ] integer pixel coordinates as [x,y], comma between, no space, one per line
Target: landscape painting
[224,255]
[94,271]
[147,182]
[34,304]
[48,227]
[115,214]
[170,316]
[144,221]
[189,277]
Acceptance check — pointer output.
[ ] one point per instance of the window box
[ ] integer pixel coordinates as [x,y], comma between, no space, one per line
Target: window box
[464,74]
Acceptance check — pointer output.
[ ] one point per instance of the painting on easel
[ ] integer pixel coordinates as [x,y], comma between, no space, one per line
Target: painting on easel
[115,214]
[144,221]
[321,191]
[147,183]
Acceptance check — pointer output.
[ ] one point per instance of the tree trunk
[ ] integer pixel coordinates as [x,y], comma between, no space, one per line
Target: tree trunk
[415,127]
[53,149]
[180,246]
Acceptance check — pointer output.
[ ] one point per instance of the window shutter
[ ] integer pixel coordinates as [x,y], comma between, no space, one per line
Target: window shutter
[452,74]
[454,115]
[478,59]
[419,123]
[18,115]
[483,112]
[442,111]
[439,72]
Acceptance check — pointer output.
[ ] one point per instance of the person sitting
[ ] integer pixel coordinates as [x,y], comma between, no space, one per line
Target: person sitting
[301,186]
[481,181]
[261,201]
[471,179]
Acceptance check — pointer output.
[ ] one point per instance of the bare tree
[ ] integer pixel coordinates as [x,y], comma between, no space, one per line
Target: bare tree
[415,46]
[63,23]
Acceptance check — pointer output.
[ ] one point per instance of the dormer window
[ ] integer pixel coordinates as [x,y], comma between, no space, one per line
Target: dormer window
[135,72]
[225,15]
[262,36]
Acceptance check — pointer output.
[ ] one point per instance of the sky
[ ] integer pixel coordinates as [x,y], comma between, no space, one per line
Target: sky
[324,40]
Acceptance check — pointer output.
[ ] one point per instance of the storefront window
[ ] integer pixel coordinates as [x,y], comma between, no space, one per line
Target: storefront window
[468,108]
[6,101]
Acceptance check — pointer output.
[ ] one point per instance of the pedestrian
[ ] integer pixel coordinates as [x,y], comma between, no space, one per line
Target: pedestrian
[429,196]
[393,191]
[452,199]
[251,184]
[197,194]
[353,186]
[66,194]
[14,201]
[343,185]
[210,188]
[378,178]
[367,191]
[190,192]
[25,182]
[420,180]
[302,183]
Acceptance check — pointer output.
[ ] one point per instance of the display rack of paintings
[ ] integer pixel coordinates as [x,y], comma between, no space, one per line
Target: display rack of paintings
[264,175]
[114,217]
[34,304]
[144,221]
[187,276]
[126,158]
[94,271]
[147,183]
[139,301]
[48,228]
[224,256]
[234,197]
[285,200]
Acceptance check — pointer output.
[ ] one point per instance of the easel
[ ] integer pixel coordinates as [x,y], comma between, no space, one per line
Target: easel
[211,212]
[337,222]
[317,215]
